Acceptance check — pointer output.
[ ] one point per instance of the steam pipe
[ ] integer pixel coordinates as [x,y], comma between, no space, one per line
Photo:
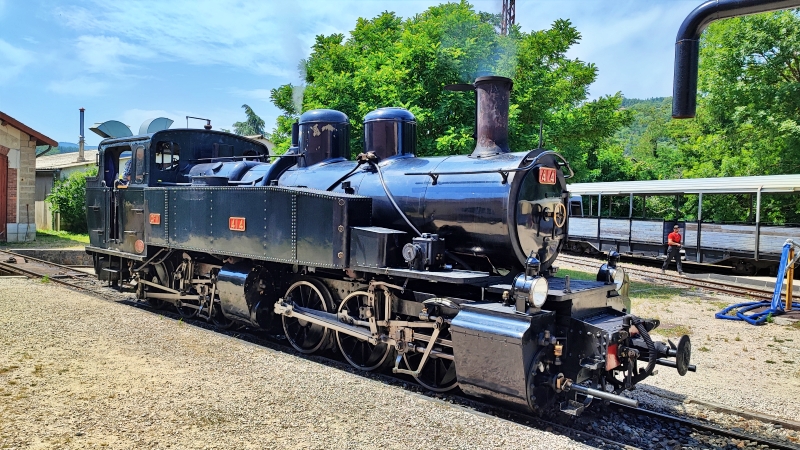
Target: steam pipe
[569,386]
[687,45]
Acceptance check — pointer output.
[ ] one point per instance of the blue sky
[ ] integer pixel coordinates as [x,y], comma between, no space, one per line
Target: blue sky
[133,60]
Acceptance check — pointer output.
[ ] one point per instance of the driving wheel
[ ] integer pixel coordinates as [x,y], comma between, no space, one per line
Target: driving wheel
[305,336]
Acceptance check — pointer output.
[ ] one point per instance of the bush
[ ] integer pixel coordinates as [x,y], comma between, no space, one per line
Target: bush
[68,198]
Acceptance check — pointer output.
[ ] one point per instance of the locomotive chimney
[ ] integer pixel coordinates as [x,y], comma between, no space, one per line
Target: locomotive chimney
[492,96]
[687,45]
[81,157]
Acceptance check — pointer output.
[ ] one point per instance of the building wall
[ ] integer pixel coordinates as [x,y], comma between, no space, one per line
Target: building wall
[21,184]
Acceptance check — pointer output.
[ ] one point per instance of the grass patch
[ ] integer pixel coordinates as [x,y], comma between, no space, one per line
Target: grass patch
[645,290]
[704,349]
[788,362]
[769,361]
[45,279]
[737,338]
[673,330]
[795,325]
[51,239]
[779,341]
[577,275]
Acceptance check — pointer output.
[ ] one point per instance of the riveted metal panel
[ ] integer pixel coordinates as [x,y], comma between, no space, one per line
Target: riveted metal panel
[131,211]
[98,200]
[156,201]
[290,225]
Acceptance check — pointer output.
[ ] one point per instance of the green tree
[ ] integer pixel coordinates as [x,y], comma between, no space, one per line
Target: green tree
[68,198]
[389,61]
[750,81]
[252,126]
[285,98]
[747,120]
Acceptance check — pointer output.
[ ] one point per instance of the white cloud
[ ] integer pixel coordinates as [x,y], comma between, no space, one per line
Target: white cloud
[79,86]
[104,54]
[236,34]
[262,37]
[12,60]
[253,94]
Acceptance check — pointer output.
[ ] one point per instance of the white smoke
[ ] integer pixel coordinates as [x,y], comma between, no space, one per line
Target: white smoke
[297,97]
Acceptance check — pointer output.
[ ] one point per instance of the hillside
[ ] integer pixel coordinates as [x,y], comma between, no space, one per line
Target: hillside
[63,147]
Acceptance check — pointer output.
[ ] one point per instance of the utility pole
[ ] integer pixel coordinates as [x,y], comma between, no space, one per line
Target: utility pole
[509,14]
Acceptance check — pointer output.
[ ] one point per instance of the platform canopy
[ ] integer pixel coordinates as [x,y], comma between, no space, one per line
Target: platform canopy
[731,185]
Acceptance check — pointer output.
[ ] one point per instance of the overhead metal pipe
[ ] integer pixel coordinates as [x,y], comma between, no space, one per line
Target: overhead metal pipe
[687,45]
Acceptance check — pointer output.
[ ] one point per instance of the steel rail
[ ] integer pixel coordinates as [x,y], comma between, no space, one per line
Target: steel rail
[42,261]
[717,430]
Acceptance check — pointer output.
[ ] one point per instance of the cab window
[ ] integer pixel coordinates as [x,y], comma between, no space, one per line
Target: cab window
[140,163]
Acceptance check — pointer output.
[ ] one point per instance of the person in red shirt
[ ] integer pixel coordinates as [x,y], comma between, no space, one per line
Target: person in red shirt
[674,241]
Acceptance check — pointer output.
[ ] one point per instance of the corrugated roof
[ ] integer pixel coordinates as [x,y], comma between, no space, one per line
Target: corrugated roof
[722,185]
[40,138]
[62,160]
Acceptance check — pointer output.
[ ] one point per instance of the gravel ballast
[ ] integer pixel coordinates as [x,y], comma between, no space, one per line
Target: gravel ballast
[79,372]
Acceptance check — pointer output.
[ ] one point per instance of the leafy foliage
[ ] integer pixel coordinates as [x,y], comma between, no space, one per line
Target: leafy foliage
[68,198]
[747,123]
[389,61]
[252,126]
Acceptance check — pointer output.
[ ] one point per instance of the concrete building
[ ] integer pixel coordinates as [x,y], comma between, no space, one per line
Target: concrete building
[51,168]
[18,178]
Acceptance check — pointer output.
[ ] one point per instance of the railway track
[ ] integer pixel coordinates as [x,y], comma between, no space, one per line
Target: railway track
[16,264]
[652,275]
[697,433]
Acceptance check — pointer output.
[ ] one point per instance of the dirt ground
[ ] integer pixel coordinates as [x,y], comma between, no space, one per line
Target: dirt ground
[78,372]
[742,366]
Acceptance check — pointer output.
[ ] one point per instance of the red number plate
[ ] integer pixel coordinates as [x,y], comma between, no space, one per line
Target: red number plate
[547,175]
[155,219]
[236,223]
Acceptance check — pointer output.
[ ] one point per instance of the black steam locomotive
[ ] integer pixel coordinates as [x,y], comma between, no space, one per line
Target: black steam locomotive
[440,268]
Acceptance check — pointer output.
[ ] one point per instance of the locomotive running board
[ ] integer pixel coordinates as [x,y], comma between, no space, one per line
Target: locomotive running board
[324,319]
[106,251]
[449,276]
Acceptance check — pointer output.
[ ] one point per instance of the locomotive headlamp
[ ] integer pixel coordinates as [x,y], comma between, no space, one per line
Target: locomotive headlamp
[611,273]
[528,288]
[538,294]
[618,277]
[613,259]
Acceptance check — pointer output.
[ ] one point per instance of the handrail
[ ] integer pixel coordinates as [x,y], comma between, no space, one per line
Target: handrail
[503,172]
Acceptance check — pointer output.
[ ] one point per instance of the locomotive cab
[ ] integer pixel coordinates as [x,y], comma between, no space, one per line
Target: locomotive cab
[117,201]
